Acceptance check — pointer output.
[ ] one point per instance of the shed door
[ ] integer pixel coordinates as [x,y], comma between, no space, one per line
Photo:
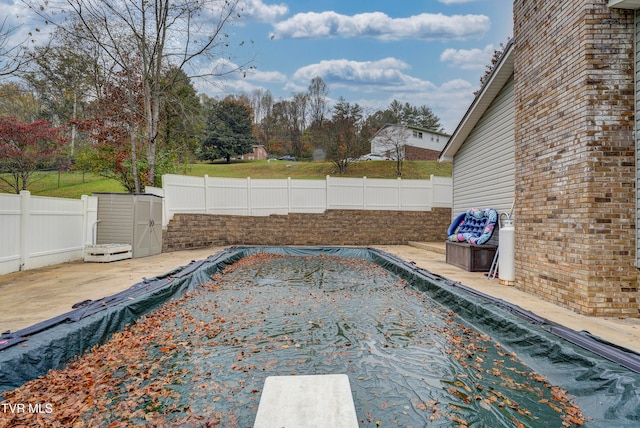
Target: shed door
[141,224]
[148,226]
[155,230]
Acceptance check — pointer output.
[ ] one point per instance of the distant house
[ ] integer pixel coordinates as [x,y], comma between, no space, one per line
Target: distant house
[414,143]
[259,153]
[554,131]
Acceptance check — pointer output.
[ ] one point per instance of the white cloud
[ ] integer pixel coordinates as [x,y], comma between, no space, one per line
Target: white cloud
[386,72]
[468,59]
[425,26]
[371,84]
[374,84]
[256,10]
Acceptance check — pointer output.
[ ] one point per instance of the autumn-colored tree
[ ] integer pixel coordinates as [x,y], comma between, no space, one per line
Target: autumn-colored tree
[158,33]
[63,75]
[16,100]
[114,126]
[343,139]
[25,148]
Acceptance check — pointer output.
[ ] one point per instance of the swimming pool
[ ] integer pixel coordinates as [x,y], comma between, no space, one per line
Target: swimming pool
[417,348]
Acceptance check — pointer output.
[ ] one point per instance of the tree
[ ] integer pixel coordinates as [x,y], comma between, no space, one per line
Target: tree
[394,139]
[25,148]
[16,100]
[405,114]
[343,140]
[181,122]
[286,123]
[158,34]
[229,130]
[13,56]
[317,95]
[61,77]
[113,125]
[262,105]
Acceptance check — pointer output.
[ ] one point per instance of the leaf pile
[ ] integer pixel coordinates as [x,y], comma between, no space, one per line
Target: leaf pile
[202,360]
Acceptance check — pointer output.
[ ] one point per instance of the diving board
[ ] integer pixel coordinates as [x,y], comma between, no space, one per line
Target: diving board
[306,401]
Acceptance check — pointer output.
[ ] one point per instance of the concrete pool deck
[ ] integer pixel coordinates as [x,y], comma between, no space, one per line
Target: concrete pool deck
[36,295]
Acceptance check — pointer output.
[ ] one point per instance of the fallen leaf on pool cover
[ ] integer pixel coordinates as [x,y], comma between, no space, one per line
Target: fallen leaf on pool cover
[136,371]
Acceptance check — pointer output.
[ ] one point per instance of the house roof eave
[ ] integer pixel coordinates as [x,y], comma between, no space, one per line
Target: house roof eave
[501,73]
[417,128]
[624,4]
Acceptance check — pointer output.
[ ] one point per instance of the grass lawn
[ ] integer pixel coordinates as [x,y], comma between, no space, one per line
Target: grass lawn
[319,170]
[76,184]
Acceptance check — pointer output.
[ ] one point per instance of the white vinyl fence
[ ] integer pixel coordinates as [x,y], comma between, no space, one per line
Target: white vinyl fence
[258,197]
[38,231]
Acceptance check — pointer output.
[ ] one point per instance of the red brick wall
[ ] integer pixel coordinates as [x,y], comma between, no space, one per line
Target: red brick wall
[418,153]
[574,154]
[333,227]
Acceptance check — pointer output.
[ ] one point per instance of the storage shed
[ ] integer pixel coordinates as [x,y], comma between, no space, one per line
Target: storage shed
[130,218]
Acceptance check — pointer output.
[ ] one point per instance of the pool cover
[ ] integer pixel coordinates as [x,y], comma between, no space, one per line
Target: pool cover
[419,350]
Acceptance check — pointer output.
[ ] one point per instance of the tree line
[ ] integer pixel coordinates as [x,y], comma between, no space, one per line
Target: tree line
[111,93]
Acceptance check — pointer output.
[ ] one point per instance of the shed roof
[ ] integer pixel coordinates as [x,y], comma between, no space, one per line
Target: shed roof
[502,71]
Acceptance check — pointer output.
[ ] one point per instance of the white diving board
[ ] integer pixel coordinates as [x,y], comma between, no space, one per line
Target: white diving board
[306,401]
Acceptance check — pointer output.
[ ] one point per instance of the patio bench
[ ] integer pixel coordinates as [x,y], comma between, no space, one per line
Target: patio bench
[468,236]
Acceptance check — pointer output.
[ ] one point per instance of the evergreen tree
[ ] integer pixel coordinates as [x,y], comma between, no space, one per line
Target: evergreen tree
[228,132]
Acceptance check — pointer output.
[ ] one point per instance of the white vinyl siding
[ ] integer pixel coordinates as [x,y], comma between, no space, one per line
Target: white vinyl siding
[484,166]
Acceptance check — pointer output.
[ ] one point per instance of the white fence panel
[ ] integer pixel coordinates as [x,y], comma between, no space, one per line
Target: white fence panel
[187,194]
[382,194]
[416,195]
[269,196]
[308,196]
[228,195]
[259,197]
[442,191]
[345,193]
[10,233]
[40,231]
[56,231]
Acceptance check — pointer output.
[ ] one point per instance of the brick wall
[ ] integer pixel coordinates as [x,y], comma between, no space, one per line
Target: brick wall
[333,227]
[418,153]
[574,155]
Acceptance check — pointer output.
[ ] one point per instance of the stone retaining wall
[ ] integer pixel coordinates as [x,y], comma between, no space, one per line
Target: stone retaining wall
[333,227]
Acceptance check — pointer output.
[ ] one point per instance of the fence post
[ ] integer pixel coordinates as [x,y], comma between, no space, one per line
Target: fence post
[249,211]
[433,190]
[206,190]
[364,193]
[399,194]
[25,214]
[288,195]
[326,190]
[85,221]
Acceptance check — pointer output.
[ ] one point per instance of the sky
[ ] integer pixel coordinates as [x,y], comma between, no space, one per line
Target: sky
[370,52]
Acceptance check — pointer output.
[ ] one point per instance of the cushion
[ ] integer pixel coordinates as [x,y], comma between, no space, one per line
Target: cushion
[476,227]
